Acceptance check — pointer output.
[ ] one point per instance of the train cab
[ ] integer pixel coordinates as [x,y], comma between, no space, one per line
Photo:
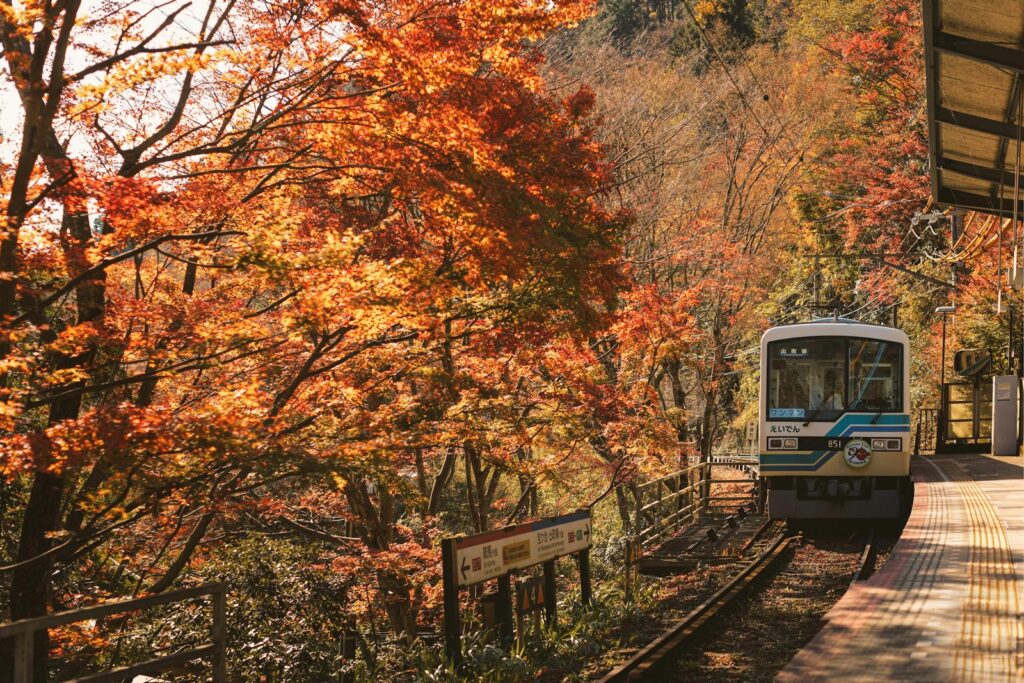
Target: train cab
[834,416]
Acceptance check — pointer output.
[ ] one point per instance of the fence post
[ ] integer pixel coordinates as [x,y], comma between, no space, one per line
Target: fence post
[679,498]
[637,496]
[705,486]
[520,590]
[220,660]
[23,657]
[658,511]
[689,493]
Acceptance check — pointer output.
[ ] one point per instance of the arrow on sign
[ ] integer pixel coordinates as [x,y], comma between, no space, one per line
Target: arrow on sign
[587,532]
[464,568]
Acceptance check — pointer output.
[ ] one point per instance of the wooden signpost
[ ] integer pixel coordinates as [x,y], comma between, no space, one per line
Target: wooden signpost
[470,560]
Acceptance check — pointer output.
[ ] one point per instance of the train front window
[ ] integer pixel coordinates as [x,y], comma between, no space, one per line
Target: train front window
[875,375]
[807,379]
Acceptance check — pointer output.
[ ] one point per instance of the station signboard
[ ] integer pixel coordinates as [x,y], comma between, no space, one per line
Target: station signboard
[489,555]
[972,362]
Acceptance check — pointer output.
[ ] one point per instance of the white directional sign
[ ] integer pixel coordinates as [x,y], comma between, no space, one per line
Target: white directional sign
[485,556]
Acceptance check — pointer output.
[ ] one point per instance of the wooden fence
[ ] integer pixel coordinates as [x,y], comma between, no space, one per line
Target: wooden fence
[23,632]
[666,504]
[927,430]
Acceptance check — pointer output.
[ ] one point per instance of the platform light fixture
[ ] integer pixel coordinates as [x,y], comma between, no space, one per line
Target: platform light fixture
[945,311]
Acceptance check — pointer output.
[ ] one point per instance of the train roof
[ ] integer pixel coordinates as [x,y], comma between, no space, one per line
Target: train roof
[835,327]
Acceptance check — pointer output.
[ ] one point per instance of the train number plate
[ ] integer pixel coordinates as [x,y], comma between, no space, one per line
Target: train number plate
[822,443]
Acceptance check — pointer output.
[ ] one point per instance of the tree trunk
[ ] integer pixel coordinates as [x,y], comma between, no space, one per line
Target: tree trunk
[30,583]
[623,507]
[375,528]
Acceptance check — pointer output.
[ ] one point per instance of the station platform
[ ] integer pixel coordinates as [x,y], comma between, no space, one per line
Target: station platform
[946,605]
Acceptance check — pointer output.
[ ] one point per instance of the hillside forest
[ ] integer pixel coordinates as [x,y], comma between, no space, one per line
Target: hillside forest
[290,291]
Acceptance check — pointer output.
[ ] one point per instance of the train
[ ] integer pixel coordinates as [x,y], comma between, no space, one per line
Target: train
[834,420]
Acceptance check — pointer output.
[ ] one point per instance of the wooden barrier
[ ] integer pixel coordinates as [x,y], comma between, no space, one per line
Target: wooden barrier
[926,432]
[23,632]
[666,504]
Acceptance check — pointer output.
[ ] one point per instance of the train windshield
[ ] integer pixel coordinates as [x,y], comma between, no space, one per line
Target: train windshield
[808,379]
[875,375]
[818,379]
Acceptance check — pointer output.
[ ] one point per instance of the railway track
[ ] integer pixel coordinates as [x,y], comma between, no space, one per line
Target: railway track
[644,660]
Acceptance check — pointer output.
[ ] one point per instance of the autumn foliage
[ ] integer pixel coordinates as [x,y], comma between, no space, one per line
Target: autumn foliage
[291,290]
[274,260]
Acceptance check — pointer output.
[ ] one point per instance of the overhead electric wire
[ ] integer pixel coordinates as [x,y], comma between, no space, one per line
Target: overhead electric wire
[732,79]
[752,349]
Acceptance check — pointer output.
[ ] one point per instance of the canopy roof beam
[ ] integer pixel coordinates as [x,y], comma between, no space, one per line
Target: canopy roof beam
[987,53]
[974,77]
[979,202]
[976,123]
[992,175]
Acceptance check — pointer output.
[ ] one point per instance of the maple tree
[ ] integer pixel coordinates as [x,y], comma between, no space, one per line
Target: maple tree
[306,245]
[708,151]
[295,289]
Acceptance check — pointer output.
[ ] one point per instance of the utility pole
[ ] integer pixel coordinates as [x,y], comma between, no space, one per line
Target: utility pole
[956,228]
[942,363]
[943,394]
[817,292]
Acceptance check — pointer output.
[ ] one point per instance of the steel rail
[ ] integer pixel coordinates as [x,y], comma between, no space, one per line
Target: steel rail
[769,523]
[665,644]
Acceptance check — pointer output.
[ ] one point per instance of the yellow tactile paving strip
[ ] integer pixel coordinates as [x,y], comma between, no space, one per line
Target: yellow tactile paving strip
[988,647]
[944,607]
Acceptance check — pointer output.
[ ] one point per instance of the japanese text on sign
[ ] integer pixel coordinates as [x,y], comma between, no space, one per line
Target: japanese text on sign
[485,556]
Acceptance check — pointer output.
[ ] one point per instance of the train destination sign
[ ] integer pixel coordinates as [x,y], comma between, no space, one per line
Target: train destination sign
[489,555]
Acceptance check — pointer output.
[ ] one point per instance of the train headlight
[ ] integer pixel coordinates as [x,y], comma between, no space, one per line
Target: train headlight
[894,444]
[789,443]
[878,444]
[775,444]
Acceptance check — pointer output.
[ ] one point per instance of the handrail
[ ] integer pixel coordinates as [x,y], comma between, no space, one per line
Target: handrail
[23,632]
[666,504]
[654,482]
[33,624]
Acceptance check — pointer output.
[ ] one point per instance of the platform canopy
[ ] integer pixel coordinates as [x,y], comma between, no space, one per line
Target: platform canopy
[974,60]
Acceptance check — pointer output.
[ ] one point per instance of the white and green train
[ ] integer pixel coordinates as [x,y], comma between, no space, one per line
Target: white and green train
[834,438]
